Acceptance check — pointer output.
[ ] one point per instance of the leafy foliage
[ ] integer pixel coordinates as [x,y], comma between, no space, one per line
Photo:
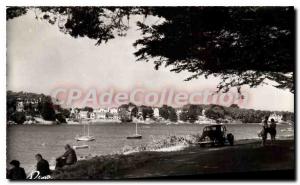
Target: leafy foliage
[47,110]
[127,111]
[190,113]
[89,109]
[241,45]
[215,112]
[168,113]
[13,12]
[35,105]
[147,112]
[19,117]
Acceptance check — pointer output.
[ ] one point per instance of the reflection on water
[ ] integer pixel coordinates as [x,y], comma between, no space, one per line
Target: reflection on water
[24,141]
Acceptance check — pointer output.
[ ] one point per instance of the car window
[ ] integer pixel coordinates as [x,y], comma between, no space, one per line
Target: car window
[223,129]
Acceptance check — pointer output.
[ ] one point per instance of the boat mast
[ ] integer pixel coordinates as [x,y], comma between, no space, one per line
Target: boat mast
[83,126]
[83,129]
[136,128]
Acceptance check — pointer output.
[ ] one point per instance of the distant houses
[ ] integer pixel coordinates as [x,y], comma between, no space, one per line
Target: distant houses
[28,107]
[84,114]
[127,112]
[19,105]
[95,114]
[276,117]
[100,113]
[22,104]
[130,112]
[156,112]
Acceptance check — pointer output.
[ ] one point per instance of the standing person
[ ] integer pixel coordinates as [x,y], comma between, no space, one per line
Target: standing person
[272,130]
[16,172]
[42,165]
[68,158]
[264,131]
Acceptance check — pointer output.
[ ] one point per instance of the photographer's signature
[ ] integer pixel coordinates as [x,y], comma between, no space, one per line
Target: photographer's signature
[36,175]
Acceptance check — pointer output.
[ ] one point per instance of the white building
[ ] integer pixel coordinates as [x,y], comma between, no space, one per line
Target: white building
[84,114]
[20,106]
[113,110]
[276,117]
[74,111]
[178,112]
[93,115]
[101,115]
[156,112]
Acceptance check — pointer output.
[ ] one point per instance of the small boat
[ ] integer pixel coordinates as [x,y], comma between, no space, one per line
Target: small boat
[81,147]
[85,137]
[136,135]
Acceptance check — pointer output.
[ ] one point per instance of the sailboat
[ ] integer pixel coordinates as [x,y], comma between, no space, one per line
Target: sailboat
[136,135]
[85,137]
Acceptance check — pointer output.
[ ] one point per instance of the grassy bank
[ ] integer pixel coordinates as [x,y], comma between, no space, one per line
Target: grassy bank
[243,157]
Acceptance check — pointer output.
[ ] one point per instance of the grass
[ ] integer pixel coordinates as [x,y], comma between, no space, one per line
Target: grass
[103,167]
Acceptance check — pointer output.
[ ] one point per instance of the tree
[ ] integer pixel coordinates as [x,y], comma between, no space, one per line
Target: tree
[11,102]
[241,45]
[19,117]
[234,106]
[164,112]
[66,113]
[147,112]
[13,12]
[127,111]
[47,110]
[168,113]
[183,116]
[109,115]
[190,113]
[61,118]
[215,112]
[89,109]
[172,115]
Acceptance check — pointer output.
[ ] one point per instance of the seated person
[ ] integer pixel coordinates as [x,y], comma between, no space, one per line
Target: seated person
[68,158]
[42,165]
[16,172]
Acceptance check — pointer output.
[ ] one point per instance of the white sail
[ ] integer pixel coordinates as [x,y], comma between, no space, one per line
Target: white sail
[136,135]
[85,137]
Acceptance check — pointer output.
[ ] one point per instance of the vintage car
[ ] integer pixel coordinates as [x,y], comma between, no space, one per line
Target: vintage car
[215,135]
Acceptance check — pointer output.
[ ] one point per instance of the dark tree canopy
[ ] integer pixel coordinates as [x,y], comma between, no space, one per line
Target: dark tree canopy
[241,45]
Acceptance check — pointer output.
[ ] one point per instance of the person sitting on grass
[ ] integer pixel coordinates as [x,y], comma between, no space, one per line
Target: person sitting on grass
[68,158]
[16,172]
[42,166]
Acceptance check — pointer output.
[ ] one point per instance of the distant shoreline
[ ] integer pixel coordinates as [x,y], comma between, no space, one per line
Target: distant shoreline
[96,122]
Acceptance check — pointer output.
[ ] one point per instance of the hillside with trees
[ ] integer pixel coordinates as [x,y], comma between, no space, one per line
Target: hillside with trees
[23,106]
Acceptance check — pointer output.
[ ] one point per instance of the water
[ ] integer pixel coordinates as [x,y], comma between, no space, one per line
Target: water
[24,141]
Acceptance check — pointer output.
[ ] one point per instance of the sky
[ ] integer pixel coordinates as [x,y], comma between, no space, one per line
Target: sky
[40,58]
